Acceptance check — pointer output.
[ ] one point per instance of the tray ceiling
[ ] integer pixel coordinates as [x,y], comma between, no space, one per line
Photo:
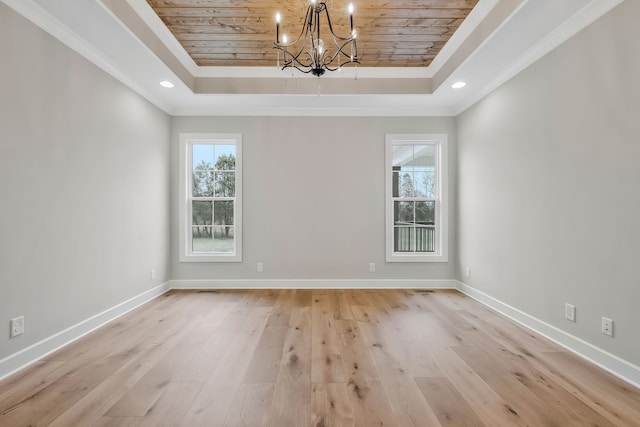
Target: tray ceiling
[496,40]
[402,33]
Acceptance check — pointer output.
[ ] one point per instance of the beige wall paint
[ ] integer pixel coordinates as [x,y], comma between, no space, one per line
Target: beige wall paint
[548,186]
[84,166]
[313,197]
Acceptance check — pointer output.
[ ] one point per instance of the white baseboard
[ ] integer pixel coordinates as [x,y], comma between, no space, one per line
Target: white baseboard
[37,351]
[314,284]
[617,366]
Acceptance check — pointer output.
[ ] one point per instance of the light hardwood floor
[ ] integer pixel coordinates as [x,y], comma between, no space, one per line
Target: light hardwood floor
[316,358]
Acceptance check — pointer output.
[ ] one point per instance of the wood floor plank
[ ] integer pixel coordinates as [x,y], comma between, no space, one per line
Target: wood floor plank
[265,364]
[46,405]
[403,394]
[344,308]
[405,336]
[331,406]
[29,381]
[291,401]
[250,406]
[397,358]
[448,405]
[519,399]
[366,393]
[172,406]
[303,298]
[215,398]
[434,302]
[168,411]
[551,397]
[98,401]
[204,361]
[140,398]
[610,397]
[139,322]
[506,331]
[484,401]
[326,362]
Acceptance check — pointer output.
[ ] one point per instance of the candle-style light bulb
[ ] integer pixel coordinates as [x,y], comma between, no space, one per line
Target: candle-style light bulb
[278,27]
[351,15]
[284,42]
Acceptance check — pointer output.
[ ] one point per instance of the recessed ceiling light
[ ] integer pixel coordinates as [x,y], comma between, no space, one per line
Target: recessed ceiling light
[166,83]
[458,85]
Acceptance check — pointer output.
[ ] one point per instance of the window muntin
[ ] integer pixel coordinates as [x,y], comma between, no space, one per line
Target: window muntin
[415,199]
[211,216]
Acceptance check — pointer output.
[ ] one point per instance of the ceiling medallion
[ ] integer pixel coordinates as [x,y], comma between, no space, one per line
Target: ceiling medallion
[309,53]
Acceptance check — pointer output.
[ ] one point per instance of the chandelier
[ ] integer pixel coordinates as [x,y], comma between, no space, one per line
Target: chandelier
[309,53]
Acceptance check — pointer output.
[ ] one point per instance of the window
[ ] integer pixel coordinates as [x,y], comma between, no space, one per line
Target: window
[211,197]
[416,198]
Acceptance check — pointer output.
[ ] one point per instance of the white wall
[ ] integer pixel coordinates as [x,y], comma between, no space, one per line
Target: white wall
[84,168]
[313,198]
[549,175]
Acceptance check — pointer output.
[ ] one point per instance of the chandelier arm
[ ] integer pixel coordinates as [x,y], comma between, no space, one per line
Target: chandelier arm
[293,60]
[303,34]
[329,59]
[339,65]
[306,71]
[335,36]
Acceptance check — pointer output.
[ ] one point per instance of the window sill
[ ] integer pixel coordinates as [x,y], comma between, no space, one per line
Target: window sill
[411,257]
[210,258]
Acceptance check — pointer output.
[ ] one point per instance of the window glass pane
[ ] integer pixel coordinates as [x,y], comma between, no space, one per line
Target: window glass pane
[402,157]
[201,239]
[203,185]
[202,156]
[424,182]
[225,157]
[425,213]
[225,185]
[403,239]
[212,239]
[405,184]
[201,212]
[223,240]
[403,212]
[425,238]
[223,213]
[424,156]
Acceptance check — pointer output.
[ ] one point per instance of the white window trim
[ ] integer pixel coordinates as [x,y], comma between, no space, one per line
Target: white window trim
[442,208]
[186,140]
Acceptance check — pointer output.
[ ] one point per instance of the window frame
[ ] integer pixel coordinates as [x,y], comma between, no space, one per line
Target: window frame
[439,141]
[187,141]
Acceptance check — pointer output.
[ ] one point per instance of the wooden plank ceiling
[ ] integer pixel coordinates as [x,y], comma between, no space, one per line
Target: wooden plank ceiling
[391,33]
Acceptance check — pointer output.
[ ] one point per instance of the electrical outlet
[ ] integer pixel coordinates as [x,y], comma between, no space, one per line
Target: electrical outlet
[153,274]
[372,267]
[607,326]
[17,326]
[260,267]
[570,312]
[467,272]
